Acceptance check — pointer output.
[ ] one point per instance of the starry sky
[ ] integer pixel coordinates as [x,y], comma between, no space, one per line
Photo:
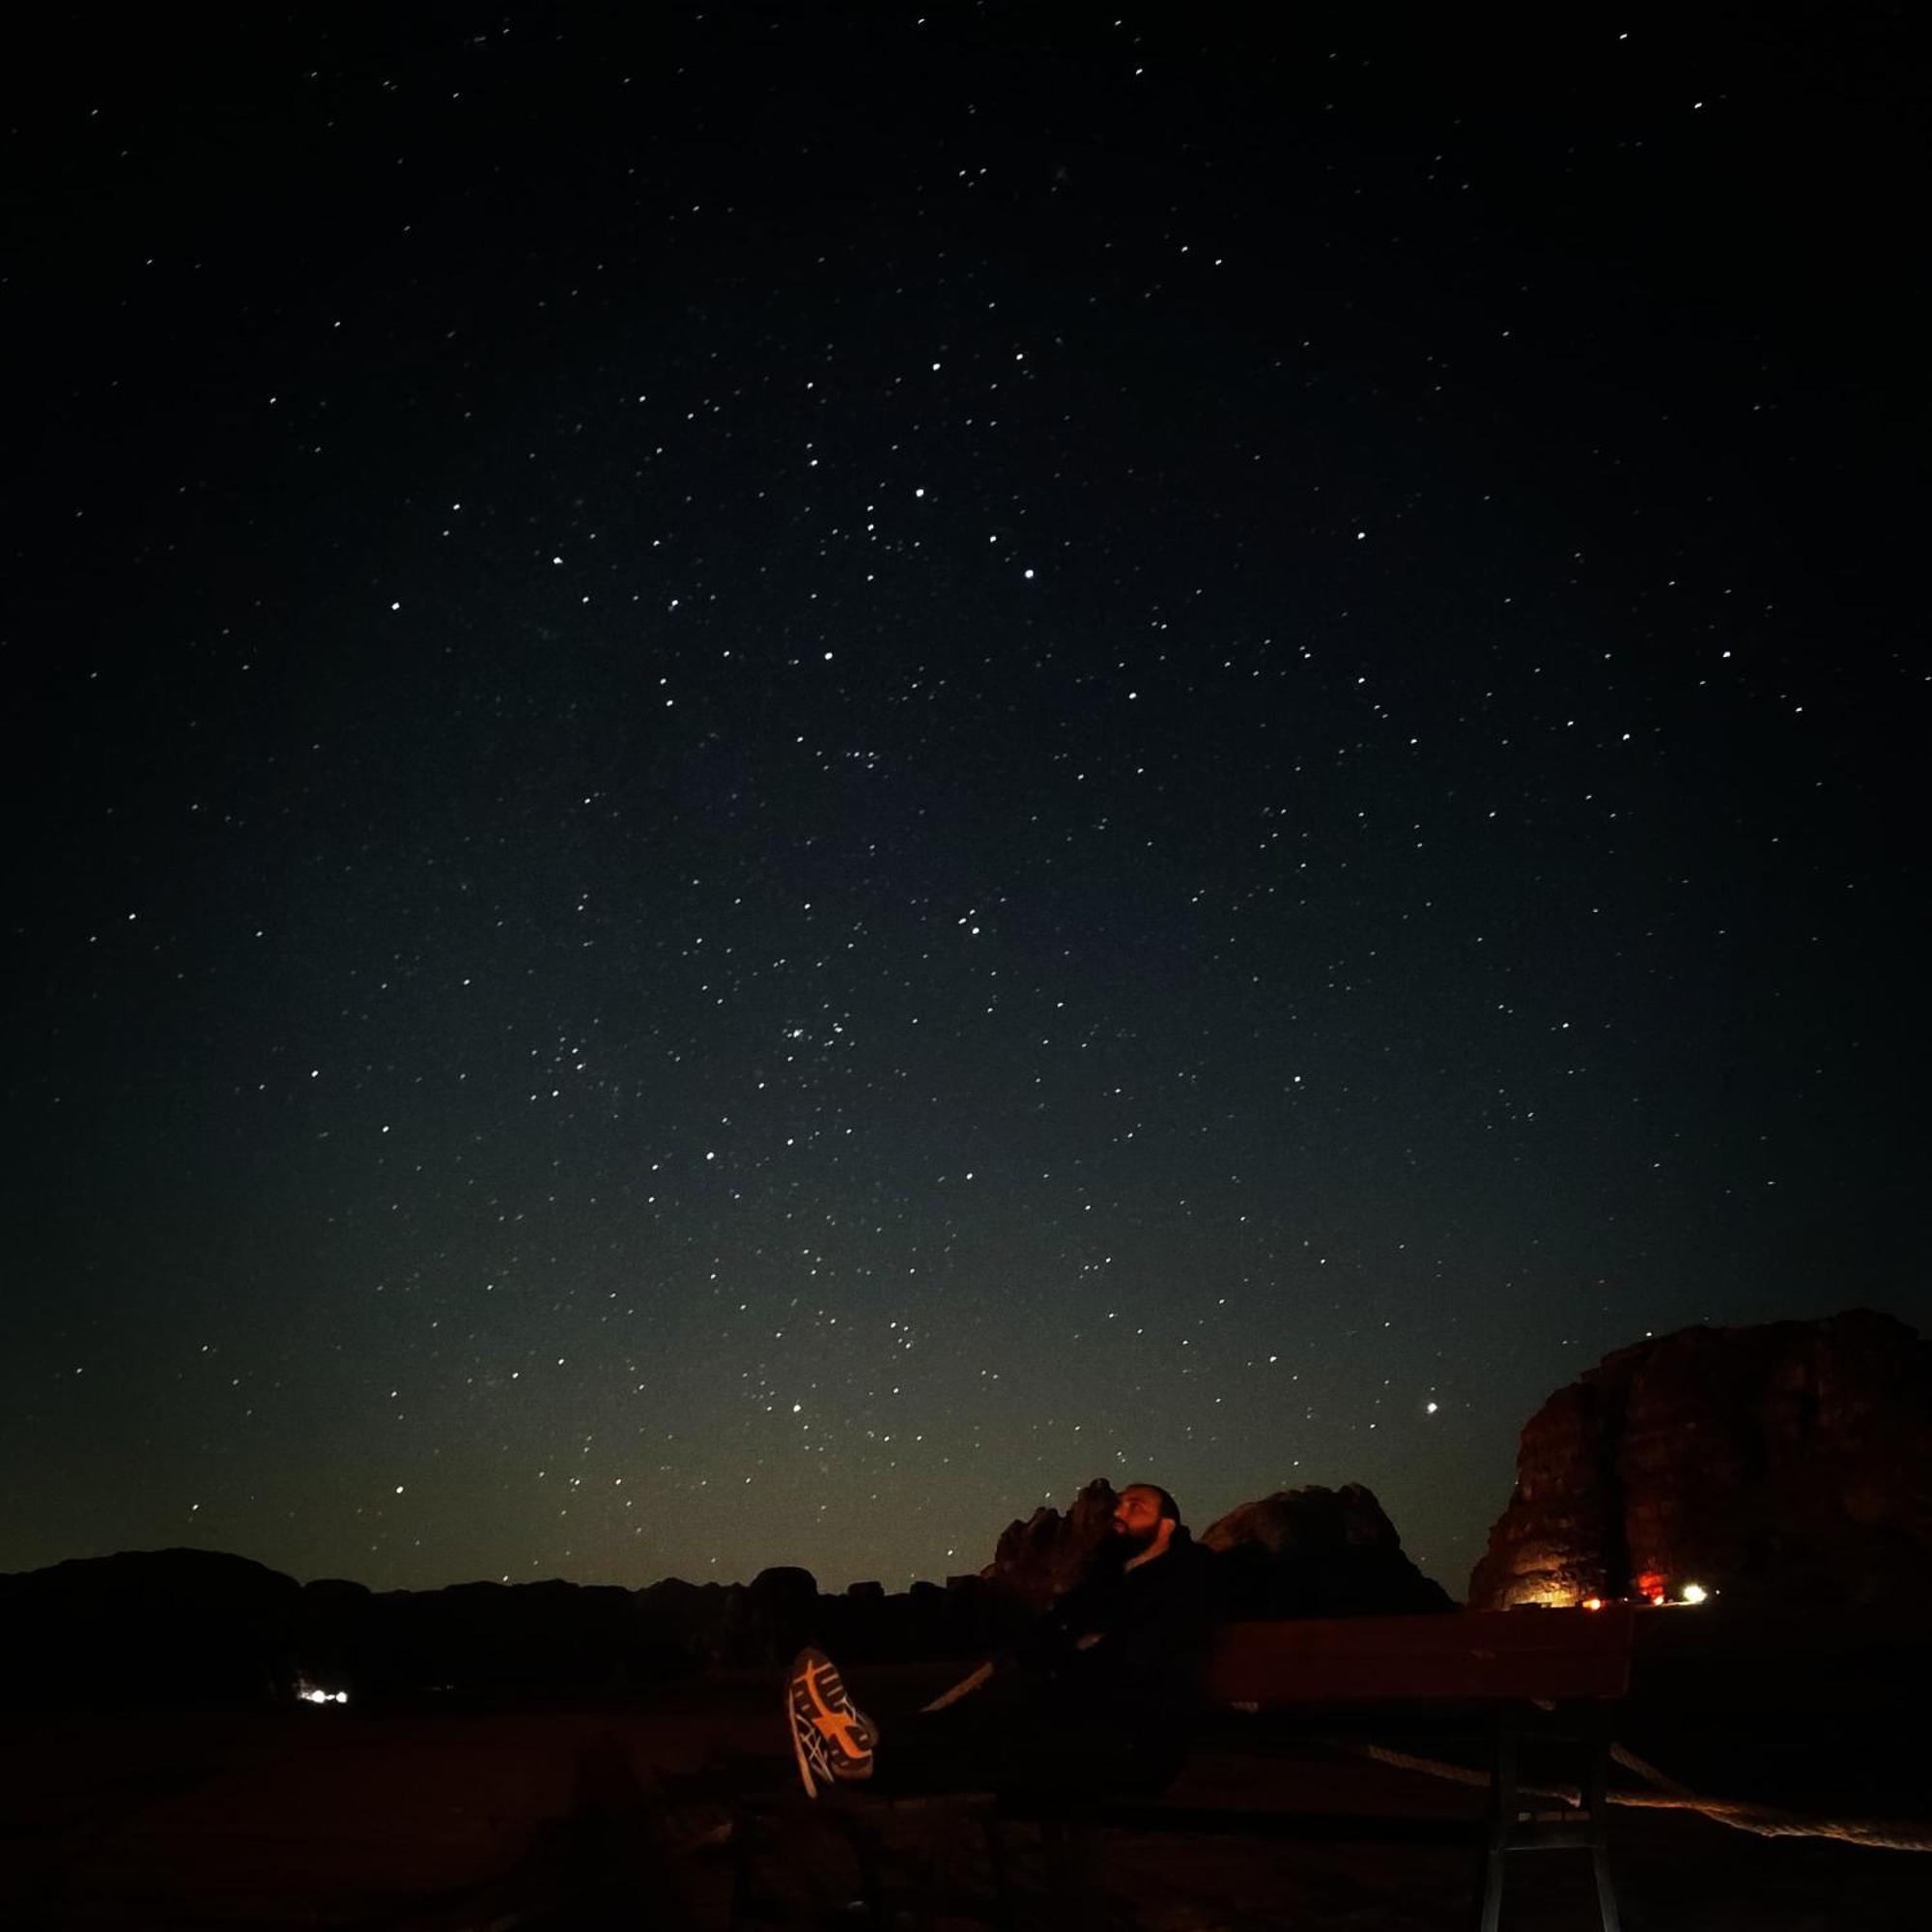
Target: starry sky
[784,774]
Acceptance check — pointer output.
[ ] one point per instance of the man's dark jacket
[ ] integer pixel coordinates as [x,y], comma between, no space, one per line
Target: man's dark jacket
[1156,1624]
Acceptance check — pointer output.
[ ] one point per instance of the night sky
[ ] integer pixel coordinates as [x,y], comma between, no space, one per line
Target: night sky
[784,773]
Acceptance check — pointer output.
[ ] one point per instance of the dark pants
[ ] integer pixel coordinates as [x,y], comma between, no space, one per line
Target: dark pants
[1022,1734]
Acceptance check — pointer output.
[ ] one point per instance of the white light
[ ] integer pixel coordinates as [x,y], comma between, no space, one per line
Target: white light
[1695,1593]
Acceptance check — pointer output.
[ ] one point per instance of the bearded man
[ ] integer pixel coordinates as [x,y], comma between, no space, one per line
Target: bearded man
[1097,1696]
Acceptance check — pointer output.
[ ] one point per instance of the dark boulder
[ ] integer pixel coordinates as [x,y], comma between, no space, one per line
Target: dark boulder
[767,1620]
[1318,1553]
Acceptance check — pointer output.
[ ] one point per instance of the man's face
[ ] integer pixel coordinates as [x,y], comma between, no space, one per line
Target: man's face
[1137,1520]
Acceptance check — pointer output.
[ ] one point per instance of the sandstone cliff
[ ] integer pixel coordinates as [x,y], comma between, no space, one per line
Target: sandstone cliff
[1791,1461]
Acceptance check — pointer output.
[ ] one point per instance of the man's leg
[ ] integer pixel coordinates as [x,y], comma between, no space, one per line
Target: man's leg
[1013,1733]
[1011,1730]
[966,1739]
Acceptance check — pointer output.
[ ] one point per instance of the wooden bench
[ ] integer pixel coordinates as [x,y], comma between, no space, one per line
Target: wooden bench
[1513,1682]
[1538,1682]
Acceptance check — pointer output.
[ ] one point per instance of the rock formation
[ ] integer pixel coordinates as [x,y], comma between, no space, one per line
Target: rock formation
[768,1619]
[192,1627]
[149,1627]
[1036,1560]
[1309,1552]
[1318,1553]
[1787,1463]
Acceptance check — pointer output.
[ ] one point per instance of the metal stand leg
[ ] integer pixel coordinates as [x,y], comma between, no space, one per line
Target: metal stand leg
[1596,1799]
[1502,1812]
[1511,1831]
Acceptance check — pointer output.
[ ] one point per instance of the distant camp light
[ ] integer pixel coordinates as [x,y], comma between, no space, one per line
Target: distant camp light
[1593,1603]
[1695,1593]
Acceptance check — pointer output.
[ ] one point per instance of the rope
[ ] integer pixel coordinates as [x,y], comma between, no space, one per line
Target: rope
[1765,1821]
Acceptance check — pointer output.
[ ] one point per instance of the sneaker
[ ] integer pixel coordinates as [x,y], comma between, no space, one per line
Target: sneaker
[830,1736]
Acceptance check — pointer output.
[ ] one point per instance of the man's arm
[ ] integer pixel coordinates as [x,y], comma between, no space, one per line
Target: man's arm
[1160,1641]
[1050,1640]
[963,1689]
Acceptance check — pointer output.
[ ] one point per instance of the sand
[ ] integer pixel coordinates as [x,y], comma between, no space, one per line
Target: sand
[429,1820]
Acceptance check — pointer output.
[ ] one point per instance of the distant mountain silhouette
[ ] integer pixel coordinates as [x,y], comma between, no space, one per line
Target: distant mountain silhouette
[193,1627]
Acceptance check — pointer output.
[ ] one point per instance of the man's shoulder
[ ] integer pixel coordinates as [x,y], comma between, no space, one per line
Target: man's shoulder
[1182,1565]
[1188,1554]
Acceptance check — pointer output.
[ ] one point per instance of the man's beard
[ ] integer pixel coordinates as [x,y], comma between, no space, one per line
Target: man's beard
[1127,1544]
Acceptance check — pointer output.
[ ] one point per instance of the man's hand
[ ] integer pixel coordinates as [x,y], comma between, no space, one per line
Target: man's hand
[1088,1641]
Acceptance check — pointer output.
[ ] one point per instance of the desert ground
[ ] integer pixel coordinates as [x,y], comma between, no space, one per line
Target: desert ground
[431,1820]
